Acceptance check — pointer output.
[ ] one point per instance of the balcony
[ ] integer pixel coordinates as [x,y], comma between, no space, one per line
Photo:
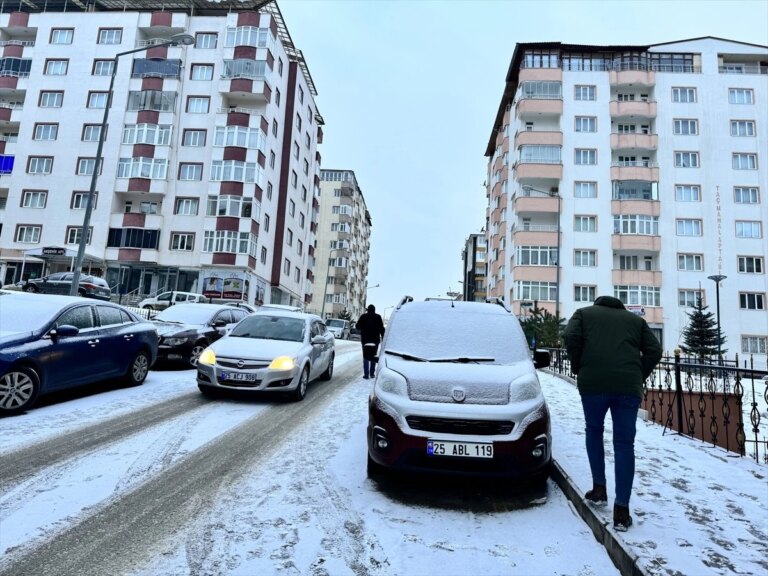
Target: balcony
[535,235]
[546,74]
[136,220]
[525,203]
[246,89]
[636,77]
[634,141]
[538,138]
[632,109]
[640,170]
[535,273]
[636,242]
[537,107]
[140,185]
[636,277]
[527,170]
[10,115]
[639,207]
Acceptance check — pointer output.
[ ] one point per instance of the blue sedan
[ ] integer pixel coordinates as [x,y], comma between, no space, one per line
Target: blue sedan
[50,343]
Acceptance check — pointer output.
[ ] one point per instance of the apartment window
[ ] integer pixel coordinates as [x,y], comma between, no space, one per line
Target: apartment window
[46,132]
[152,100]
[227,205]
[274,128]
[301,97]
[536,255]
[296,274]
[748,229]
[271,159]
[296,150]
[532,290]
[751,264]
[266,222]
[686,126]
[286,267]
[34,198]
[206,40]
[110,36]
[687,159]
[186,206]
[51,99]
[299,247]
[751,300]
[742,128]
[97,99]
[154,134]
[198,104]
[746,195]
[298,121]
[294,178]
[688,227]
[741,96]
[103,67]
[201,72]
[307,140]
[148,207]
[56,67]
[269,190]
[183,241]
[584,223]
[585,258]
[39,165]
[190,171]
[741,161]
[85,166]
[277,97]
[289,237]
[690,262]
[74,233]
[236,171]
[584,92]
[687,193]
[241,136]
[584,293]
[28,234]
[156,168]
[194,138]
[636,224]
[305,168]
[680,94]
[638,295]
[585,156]
[301,220]
[754,344]
[228,241]
[62,35]
[280,66]
[291,208]
[585,124]
[688,298]
[263,255]
[629,263]
[80,199]
[585,189]
[91,132]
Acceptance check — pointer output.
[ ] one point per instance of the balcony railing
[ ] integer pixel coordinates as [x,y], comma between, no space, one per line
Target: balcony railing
[236,109]
[743,69]
[13,74]
[12,105]
[635,164]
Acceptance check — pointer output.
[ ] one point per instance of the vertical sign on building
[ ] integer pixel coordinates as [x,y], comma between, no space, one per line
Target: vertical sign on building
[719,231]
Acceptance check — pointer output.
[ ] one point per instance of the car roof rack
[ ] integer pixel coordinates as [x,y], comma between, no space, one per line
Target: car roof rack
[499,301]
[404,300]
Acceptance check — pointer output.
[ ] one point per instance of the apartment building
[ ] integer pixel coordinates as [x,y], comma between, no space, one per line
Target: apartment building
[473,258]
[343,246]
[210,162]
[638,172]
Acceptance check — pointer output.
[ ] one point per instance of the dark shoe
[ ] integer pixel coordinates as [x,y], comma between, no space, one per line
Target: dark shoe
[598,495]
[365,376]
[621,518]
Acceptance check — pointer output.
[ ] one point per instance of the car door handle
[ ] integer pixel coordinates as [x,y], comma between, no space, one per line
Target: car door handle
[93,342]
[128,336]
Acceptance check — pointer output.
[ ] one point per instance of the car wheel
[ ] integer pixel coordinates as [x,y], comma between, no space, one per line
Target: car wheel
[375,470]
[19,390]
[301,389]
[138,369]
[81,293]
[328,374]
[208,391]
[149,307]
[197,349]
[30,288]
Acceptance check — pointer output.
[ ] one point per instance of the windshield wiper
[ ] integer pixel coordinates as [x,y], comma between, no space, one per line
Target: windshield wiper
[465,359]
[406,356]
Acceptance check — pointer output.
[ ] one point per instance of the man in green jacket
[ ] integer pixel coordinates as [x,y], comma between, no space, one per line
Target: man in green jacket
[612,352]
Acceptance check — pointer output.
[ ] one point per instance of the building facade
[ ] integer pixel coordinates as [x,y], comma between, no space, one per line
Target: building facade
[638,172]
[210,160]
[473,258]
[343,246]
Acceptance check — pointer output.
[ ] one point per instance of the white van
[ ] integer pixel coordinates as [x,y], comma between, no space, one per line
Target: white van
[339,328]
[165,299]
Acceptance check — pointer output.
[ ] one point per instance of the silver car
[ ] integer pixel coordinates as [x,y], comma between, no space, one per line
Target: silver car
[275,351]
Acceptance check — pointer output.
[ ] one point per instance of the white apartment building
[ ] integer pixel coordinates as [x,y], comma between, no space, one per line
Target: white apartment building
[343,246]
[210,163]
[638,172]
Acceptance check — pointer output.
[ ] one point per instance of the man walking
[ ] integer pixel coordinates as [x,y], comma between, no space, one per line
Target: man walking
[612,352]
[371,328]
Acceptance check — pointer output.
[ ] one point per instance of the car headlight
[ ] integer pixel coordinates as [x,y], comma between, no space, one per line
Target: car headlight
[390,382]
[520,391]
[282,363]
[174,341]
[207,357]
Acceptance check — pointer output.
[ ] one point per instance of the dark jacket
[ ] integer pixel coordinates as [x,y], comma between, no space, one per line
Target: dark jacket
[610,348]
[371,328]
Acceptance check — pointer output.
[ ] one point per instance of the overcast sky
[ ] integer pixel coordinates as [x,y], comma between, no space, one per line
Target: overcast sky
[409,91]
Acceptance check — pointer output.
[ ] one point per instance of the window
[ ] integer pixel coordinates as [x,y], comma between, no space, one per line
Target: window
[754,344]
[263,257]
[636,224]
[228,241]
[301,99]
[296,274]
[271,159]
[741,96]
[39,165]
[688,227]
[294,178]
[194,138]
[687,159]
[299,247]
[683,94]
[286,266]
[536,255]
[686,126]
[629,263]
[301,220]
[751,300]
[751,264]
[148,207]
[584,293]
[690,262]
[296,150]
[687,193]
[688,297]
[307,140]
[151,100]
[182,241]
[585,258]
[56,67]
[742,161]
[79,200]
[584,92]
[201,72]
[746,195]
[91,132]
[280,66]
[532,290]
[190,171]
[305,167]
[34,198]
[51,99]
[298,120]
[205,40]
[266,222]
[236,171]
[62,35]
[46,132]
[269,190]
[103,67]
[748,229]
[74,234]
[585,189]
[241,136]
[97,99]
[277,97]
[291,208]
[274,128]
[154,134]
[28,234]
[742,128]
[110,36]
[227,205]
[586,124]
[638,295]
[139,167]
[198,104]
[585,156]
[289,237]
[86,166]
[584,223]
[186,206]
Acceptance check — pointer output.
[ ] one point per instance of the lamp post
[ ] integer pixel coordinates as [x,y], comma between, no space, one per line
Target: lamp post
[177,39]
[552,194]
[717,278]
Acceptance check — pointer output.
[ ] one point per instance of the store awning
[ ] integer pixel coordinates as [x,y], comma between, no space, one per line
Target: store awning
[57,255]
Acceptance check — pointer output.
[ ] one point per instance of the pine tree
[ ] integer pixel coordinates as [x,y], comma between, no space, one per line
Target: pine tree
[546,328]
[700,336]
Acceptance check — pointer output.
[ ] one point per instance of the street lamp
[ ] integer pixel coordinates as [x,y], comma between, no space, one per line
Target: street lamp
[553,193]
[175,40]
[717,278]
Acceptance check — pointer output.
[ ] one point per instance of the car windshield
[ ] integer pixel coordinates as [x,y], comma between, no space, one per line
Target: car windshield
[270,328]
[335,323]
[17,315]
[189,314]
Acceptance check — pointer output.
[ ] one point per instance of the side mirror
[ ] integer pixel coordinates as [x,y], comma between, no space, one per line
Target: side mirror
[64,331]
[541,358]
[318,339]
[219,324]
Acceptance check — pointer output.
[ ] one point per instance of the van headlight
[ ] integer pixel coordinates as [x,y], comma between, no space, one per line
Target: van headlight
[207,357]
[390,382]
[282,363]
[522,390]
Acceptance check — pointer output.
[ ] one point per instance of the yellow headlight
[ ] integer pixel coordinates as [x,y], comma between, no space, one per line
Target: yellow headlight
[207,357]
[282,363]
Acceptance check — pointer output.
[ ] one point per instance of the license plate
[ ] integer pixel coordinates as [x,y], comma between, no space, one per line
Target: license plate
[459,449]
[237,376]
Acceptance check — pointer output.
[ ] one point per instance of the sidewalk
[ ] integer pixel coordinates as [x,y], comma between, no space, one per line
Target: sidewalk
[697,510]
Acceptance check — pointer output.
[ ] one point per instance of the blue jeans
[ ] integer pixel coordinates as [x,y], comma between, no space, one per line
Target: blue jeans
[623,409]
[369,359]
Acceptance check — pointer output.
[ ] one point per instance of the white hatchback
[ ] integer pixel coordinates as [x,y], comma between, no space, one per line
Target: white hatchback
[165,299]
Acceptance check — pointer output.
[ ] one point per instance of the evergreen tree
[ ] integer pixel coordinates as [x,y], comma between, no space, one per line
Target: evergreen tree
[546,328]
[700,337]
[345,315]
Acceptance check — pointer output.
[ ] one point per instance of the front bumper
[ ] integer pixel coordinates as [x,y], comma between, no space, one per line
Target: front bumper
[266,379]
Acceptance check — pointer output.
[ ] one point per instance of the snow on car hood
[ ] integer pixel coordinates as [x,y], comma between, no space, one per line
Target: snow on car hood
[255,348]
[168,328]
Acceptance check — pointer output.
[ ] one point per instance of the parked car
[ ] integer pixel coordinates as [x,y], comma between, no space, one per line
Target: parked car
[274,350]
[354,334]
[187,329]
[283,307]
[456,392]
[340,328]
[166,299]
[50,343]
[60,283]
[250,308]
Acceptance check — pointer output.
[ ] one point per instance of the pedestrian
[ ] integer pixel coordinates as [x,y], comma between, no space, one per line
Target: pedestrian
[612,351]
[371,328]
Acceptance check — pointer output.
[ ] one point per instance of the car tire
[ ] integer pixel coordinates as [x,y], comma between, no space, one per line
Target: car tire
[328,374]
[138,369]
[19,389]
[30,288]
[81,293]
[197,349]
[148,307]
[208,391]
[301,388]
[375,470]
